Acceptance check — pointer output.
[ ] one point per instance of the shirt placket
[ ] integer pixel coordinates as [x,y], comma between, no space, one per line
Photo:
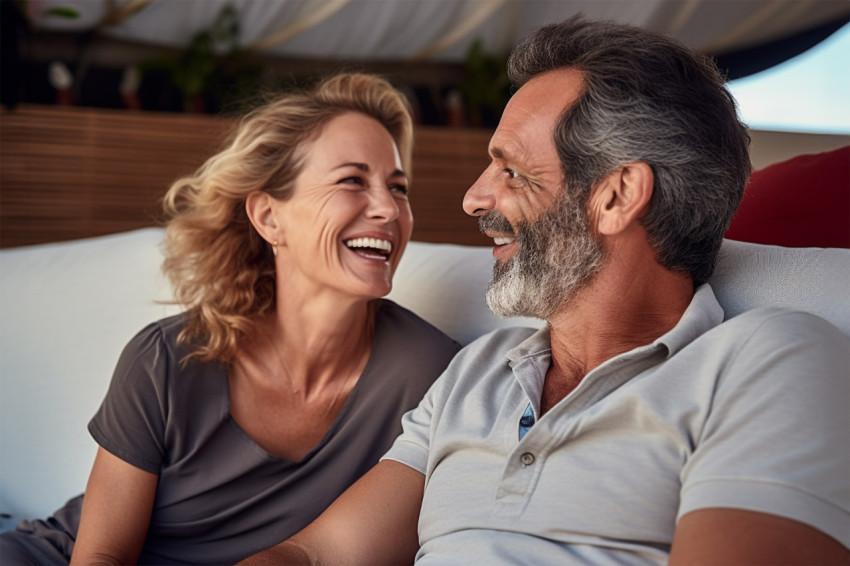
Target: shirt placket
[526,461]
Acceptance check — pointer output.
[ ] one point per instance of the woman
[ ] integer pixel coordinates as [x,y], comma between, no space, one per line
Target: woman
[231,426]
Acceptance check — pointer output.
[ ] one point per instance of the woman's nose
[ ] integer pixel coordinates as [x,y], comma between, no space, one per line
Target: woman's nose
[382,205]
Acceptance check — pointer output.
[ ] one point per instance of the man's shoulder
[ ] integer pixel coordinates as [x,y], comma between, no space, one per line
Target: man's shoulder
[772,341]
[780,322]
[797,334]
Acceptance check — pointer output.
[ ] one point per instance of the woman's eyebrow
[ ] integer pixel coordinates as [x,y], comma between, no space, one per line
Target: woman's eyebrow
[362,166]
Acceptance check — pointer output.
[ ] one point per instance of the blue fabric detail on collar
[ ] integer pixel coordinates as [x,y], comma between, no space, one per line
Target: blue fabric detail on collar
[526,421]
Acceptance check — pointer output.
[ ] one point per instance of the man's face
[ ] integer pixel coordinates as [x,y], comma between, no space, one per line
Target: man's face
[557,255]
[545,249]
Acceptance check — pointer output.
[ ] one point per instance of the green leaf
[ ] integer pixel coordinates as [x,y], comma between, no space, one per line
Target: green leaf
[62,12]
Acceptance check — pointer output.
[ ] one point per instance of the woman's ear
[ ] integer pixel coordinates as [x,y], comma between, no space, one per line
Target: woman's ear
[622,197]
[262,212]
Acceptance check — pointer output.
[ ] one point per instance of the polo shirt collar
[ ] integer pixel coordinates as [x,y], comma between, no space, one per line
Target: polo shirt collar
[533,346]
[703,314]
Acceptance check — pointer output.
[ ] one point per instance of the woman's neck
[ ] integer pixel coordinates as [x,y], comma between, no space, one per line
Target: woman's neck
[316,344]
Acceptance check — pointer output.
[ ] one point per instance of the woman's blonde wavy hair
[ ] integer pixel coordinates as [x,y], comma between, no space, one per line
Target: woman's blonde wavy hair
[220,269]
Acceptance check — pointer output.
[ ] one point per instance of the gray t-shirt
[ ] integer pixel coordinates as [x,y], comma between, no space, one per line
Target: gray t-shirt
[750,413]
[220,496]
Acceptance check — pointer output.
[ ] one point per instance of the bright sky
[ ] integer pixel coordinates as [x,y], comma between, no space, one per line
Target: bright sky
[809,93]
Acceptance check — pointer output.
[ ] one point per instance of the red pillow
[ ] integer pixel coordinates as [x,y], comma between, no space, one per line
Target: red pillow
[802,202]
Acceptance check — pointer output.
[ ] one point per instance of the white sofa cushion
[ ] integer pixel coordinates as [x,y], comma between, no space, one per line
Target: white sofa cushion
[445,284]
[67,309]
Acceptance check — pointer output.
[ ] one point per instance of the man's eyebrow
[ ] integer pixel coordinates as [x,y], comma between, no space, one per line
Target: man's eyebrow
[497,152]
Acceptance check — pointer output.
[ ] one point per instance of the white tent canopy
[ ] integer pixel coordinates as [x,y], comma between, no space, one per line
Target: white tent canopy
[432,30]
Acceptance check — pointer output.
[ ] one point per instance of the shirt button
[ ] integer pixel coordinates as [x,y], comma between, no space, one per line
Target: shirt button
[527,459]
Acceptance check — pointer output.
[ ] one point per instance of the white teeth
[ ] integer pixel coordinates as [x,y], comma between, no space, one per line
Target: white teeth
[502,241]
[375,243]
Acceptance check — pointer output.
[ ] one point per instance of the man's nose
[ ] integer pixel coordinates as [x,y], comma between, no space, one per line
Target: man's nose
[479,198]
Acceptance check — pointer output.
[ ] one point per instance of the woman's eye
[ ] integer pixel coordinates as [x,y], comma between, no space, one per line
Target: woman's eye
[399,189]
[351,181]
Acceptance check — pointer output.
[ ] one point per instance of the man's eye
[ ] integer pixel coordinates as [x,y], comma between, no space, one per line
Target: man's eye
[515,177]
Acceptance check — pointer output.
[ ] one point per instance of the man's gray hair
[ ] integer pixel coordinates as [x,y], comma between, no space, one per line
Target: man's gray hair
[648,98]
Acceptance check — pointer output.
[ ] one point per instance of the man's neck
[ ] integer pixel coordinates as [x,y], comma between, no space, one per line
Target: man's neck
[623,308]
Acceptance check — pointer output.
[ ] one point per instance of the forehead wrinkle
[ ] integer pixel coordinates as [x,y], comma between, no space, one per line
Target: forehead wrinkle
[508,150]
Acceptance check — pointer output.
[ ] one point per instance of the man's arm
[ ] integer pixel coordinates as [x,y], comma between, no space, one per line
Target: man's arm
[373,522]
[739,537]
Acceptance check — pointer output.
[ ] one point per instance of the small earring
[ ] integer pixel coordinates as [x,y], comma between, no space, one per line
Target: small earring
[274,248]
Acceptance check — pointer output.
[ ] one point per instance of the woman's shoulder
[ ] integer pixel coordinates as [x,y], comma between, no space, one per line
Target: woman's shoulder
[405,345]
[404,325]
[156,356]
[158,335]
[174,324]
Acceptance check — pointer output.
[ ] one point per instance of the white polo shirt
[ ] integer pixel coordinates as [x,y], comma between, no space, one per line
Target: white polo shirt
[752,413]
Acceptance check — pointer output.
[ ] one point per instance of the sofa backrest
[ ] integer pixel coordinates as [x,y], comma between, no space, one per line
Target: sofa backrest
[67,309]
[445,284]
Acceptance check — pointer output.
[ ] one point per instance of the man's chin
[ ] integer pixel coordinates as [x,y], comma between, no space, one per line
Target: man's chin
[498,308]
[514,298]
[514,294]
[500,299]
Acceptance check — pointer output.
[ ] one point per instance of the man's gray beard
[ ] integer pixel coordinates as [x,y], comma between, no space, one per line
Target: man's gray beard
[558,255]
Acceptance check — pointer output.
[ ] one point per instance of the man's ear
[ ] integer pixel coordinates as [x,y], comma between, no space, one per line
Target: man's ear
[261,210]
[622,197]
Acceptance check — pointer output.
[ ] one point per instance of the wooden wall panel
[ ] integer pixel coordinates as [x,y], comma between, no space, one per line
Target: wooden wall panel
[445,163]
[68,173]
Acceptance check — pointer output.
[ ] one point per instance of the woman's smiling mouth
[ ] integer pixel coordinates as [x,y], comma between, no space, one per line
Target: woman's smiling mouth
[371,248]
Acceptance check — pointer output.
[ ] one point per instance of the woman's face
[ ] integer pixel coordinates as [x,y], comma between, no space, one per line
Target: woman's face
[348,220]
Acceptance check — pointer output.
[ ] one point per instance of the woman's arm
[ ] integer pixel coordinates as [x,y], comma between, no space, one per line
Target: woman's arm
[372,522]
[116,512]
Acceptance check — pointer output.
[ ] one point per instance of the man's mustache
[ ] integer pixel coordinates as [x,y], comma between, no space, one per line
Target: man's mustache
[494,221]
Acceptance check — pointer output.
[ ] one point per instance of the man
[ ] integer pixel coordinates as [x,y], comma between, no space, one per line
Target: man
[637,427]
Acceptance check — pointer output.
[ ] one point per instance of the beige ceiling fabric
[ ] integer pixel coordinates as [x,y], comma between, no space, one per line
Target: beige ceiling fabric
[309,19]
[430,30]
[480,11]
